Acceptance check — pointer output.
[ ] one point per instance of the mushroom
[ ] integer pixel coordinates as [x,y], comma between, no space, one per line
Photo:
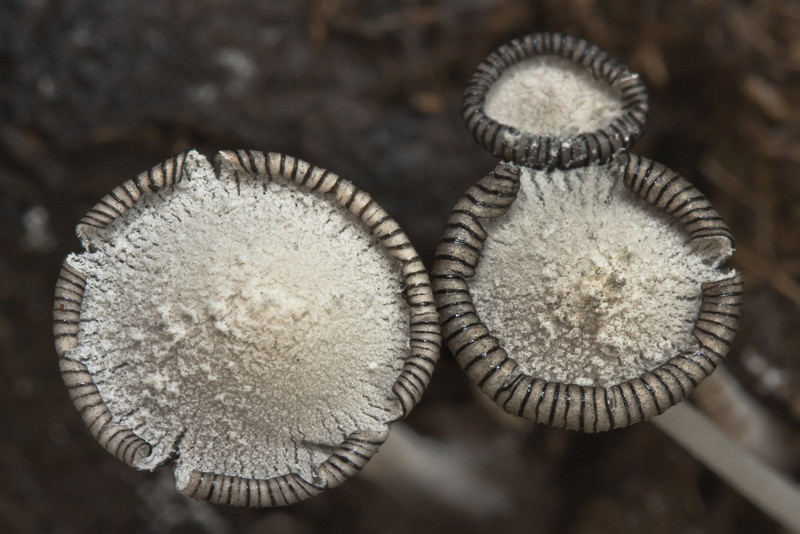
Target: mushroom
[598,296]
[602,296]
[258,326]
[580,285]
[553,100]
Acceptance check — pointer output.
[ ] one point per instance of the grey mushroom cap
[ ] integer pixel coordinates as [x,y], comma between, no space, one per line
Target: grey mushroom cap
[589,298]
[551,100]
[257,325]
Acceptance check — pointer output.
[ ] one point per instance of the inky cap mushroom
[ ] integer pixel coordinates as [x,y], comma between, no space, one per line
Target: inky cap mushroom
[257,325]
[553,100]
[588,298]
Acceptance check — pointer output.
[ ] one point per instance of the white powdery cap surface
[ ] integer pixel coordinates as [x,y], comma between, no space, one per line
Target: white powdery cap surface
[241,327]
[551,97]
[583,283]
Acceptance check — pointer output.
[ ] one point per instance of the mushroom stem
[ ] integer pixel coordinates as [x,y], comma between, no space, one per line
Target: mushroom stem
[722,398]
[771,491]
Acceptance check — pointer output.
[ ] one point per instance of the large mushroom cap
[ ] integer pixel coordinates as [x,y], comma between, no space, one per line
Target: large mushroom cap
[553,100]
[588,298]
[246,323]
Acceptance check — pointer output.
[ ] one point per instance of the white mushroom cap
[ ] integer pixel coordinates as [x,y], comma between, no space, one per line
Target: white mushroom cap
[552,97]
[586,284]
[553,100]
[252,332]
[590,298]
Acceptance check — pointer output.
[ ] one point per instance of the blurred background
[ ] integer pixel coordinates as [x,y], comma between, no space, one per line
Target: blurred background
[91,93]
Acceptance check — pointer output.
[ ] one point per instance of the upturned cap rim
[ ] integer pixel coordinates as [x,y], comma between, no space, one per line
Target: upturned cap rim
[536,151]
[357,447]
[587,408]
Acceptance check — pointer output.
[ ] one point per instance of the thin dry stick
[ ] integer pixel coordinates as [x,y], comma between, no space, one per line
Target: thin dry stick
[765,487]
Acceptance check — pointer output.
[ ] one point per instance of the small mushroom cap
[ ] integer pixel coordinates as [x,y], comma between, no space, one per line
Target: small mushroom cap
[550,96]
[552,100]
[588,298]
[246,324]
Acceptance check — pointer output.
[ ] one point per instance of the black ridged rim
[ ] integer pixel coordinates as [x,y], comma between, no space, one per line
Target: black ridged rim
[360,445]
[566,405]
[525,148]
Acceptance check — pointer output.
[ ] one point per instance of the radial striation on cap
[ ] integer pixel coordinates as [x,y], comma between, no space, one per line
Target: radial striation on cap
[258,326]
[589,298]
[551,100]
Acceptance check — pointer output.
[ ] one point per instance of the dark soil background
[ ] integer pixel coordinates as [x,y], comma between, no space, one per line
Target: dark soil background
[91,93]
